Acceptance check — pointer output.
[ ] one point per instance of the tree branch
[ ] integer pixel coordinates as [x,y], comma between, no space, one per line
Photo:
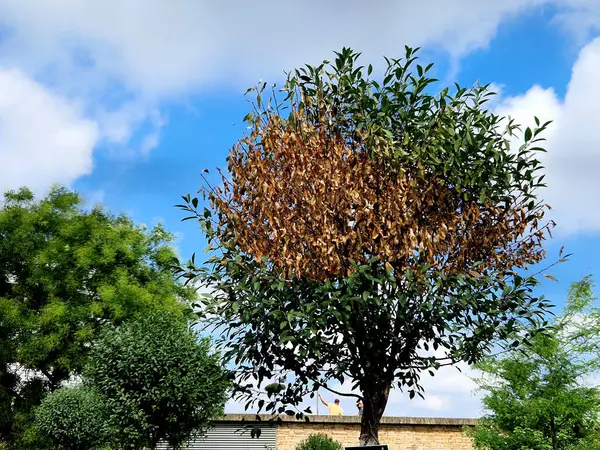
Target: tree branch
[333,391]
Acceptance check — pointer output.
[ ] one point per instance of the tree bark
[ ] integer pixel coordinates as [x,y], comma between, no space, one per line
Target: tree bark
[374,404]
[369,430]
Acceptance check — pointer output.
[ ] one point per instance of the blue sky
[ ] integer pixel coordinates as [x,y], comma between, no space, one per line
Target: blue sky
[128,102]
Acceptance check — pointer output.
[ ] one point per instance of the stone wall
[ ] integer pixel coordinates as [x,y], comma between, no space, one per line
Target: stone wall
[400,433]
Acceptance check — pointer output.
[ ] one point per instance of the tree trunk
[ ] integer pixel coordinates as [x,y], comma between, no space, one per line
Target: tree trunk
[373,407]
[369,430]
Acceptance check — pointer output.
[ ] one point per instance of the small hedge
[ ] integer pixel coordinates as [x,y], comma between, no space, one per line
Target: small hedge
[319,442]
[72,418]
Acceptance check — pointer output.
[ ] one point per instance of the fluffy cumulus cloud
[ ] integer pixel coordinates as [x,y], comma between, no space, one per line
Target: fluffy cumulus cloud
[119,60]
[159,48]
[450,393]
[43,138]
[573,141]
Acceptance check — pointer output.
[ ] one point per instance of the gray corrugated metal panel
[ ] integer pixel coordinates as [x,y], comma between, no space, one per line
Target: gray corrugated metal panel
[233,436]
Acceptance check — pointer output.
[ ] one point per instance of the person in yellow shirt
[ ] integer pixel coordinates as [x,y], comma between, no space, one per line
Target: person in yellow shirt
[334,408]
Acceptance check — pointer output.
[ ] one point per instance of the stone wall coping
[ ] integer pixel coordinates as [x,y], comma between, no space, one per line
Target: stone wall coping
[440,421]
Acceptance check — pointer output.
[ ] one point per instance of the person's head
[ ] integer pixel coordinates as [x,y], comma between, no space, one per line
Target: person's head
[337,401]
[359,404]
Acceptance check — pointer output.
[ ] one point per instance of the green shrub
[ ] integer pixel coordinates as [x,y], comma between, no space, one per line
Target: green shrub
[160,381]
[72,419]
[319,442]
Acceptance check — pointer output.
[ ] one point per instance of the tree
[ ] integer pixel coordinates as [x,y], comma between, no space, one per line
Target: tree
[72,418]
[159,381]
[66,272]
[536,396]
[369,231]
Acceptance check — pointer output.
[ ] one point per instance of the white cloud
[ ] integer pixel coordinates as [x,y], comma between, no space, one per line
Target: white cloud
[158,47]
[119,125]
[581,18]
[436,403]
[450,393]
[573,159]
[43,138]
[121,60]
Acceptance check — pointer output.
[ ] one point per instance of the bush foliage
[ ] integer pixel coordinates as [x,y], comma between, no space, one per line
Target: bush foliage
[73,418]
[319,441]
[160,381]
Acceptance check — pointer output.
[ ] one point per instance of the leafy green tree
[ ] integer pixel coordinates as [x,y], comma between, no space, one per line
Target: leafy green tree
[369,231]
[72,418]
[537,397]
[66,272]
[319,442]
[160,381]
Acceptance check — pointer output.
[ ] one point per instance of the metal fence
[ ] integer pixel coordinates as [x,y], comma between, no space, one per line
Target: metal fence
[233,436]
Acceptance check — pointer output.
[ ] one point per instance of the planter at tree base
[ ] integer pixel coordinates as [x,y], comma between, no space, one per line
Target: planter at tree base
[369,447]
